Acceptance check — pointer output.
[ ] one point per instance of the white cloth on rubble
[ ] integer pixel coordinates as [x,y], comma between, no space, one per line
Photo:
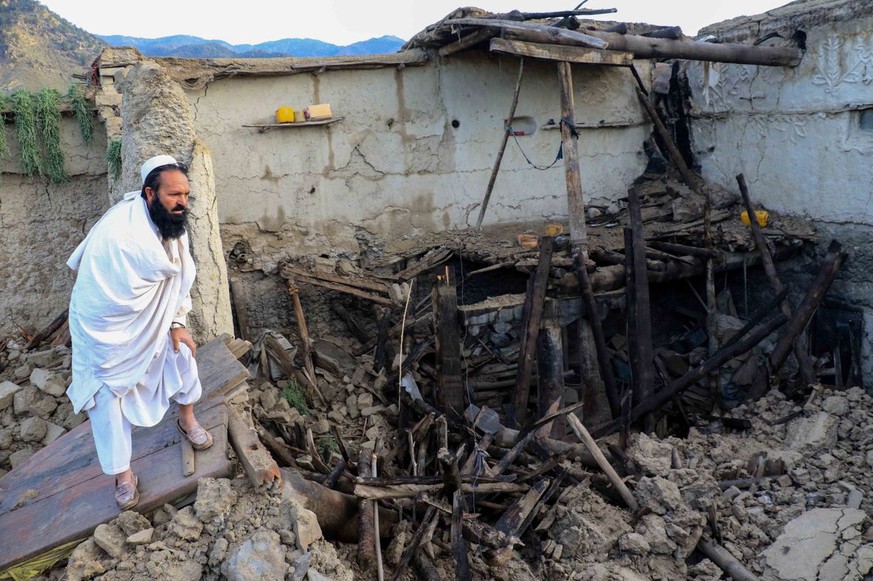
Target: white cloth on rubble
[131,285]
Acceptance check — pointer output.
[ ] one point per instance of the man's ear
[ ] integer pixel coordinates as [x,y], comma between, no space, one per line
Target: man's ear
[150,194]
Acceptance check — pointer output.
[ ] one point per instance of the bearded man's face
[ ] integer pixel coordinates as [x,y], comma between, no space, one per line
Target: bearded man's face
[168,205]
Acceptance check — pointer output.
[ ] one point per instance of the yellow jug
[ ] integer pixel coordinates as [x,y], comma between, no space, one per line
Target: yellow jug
[284,115]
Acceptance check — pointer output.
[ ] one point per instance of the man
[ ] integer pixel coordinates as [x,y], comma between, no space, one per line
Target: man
[132,354]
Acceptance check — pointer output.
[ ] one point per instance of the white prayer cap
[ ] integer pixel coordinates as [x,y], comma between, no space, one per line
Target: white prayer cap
[152,163]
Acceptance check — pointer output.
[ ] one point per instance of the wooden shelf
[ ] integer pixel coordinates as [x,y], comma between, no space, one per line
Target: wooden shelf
[267,126]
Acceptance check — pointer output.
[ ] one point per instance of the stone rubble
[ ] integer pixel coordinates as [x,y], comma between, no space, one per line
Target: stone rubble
[806,516]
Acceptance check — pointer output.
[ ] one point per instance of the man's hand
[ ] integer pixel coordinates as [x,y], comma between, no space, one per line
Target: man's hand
[181,335]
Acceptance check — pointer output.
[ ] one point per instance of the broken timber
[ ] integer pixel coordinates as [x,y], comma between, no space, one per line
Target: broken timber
[60,494]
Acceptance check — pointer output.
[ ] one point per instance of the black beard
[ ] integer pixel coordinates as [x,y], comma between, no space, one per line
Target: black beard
[169,225]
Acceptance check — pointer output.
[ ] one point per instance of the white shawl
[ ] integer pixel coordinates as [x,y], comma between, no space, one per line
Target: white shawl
[130,287]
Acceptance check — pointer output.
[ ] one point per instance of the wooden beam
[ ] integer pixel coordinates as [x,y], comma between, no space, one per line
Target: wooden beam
[468,41]
[644,47]
[533,311]
[644,378]
[551,32]
[575,201]
[550,376]
[502,149]
[800,353]
[559,53]
[259,465]
[448,345]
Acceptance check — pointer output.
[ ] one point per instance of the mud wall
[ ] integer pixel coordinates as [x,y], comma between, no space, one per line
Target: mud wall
[803,137]
[40,225]
[412,154]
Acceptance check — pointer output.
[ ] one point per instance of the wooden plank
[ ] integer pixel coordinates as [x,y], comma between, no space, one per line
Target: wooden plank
[259,465]
[556,52]
[533,311]
[346,289]
[550,375]
[75,512]
[551,32]
[450,393]
[353,281]
[466,42]
[74,458]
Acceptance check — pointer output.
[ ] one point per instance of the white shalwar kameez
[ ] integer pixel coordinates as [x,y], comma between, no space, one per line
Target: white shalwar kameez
[131,286]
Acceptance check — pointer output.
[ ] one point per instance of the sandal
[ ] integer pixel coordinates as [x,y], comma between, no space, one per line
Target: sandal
[200,439]
[126,494]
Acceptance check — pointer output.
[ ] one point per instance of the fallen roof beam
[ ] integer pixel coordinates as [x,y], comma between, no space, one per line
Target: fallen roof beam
[555,52]
[644,47]
[547,33]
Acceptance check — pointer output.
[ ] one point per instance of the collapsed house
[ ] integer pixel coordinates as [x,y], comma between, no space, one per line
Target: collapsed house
[510,242]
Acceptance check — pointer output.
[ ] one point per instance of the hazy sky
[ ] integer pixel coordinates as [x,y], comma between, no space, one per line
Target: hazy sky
[346,21]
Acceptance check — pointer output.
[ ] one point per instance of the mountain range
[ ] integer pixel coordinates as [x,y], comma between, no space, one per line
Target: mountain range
[195,47]
[39,49]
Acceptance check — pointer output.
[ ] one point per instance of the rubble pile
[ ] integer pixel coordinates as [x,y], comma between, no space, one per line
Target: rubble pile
[34,410]
[782,486]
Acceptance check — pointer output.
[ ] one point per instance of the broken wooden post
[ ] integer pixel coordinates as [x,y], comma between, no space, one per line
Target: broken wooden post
[259,465]
[800,352]
[725,561]
[817,290]
[532,316]
[507,131]
[240,310]
[306,344]
[459,547]
[513,523]
[604,464]
[603,363]
[550,374]
[450,386]
[48,331]
[641,340]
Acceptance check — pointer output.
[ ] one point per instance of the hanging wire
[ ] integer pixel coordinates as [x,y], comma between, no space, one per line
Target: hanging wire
[558,157]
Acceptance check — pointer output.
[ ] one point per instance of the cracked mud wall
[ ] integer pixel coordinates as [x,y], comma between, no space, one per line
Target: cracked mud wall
[413,153]
[42,223]
[797,135]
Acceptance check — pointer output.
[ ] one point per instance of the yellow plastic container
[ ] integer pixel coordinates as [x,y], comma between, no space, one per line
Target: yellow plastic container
[554,229]
[762,215]
[318,112]
[284,115]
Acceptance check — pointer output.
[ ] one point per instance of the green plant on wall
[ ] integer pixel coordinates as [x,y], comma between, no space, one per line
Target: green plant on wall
[48,114]
[4,103]
[24,107]
[82,110]
[113,157]
[37,118]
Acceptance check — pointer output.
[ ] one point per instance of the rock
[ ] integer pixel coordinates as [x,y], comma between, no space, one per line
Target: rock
[868,459]
[732,492]
[52,433]
[634,543]
[856,497]
[132,522]
[218,552]
[365,412]
[44,358]
[365,400]
[816,431]
[22,371]
[321,426]
[33,429]
[48,382]
[84,562]
[314,575]
[652,528]
[306,527]
[19,457]
[262,557]
[836,404]
[142,537]
[658,494]
[822,544]
[215,498]
[7,394]
[186,525]
[111,539]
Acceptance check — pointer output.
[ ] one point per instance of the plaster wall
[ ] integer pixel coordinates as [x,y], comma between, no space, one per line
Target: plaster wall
[413,153]
[796,135]
[42,223]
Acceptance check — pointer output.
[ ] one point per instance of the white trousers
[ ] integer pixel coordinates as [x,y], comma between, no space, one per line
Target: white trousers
[170,376]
